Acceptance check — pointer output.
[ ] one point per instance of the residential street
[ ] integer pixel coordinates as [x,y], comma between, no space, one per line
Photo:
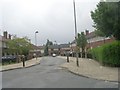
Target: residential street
[48,74]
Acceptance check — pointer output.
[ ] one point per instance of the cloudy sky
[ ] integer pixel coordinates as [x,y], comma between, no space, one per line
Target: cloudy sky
[53,19]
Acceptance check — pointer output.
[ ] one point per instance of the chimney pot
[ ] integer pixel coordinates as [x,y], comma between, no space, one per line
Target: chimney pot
[87,32]
[5,34]
[9,36]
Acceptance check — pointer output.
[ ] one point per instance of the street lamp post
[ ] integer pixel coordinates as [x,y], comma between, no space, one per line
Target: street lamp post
[36,42]
[76,36]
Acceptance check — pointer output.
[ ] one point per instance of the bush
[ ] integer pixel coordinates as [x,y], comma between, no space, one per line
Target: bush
[108,54]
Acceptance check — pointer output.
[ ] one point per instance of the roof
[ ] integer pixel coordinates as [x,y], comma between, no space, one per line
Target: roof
[54,46]
[34,46]
[2,38]
[73,42]
[64,46]
[59,46]
[41,47]
[91,35]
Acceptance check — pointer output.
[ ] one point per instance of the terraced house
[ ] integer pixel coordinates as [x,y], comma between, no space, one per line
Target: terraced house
[61,49]
[3,42]
[93,40]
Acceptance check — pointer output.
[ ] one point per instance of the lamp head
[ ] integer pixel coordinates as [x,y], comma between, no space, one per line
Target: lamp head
[36,32]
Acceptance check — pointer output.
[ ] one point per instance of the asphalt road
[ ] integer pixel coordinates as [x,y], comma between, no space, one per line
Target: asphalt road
[49,75]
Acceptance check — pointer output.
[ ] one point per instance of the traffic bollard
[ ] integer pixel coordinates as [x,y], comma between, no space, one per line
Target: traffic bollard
[67,58]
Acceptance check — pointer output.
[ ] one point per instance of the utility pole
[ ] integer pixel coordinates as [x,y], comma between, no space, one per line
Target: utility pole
[76,34]
[36,43]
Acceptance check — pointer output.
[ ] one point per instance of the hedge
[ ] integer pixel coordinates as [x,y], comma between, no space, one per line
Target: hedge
[108,54]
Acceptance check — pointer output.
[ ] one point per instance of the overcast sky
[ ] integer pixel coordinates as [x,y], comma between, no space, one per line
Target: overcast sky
[53,19]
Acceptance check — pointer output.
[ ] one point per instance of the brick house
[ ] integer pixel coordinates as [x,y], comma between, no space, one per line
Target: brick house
[73,48]
[64,49]
[42,49]
[95,41]
[61,49]
[3,42]
[54,49]
[92,41]
[34,51]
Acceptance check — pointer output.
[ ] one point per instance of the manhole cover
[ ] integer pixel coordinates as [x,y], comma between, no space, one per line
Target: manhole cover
[51,65]
[55,70]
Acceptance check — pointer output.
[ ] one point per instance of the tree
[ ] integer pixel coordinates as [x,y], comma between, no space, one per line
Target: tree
[99,33]
[106,18]
[49,42]
[46,52]
[19,45]
[81,41]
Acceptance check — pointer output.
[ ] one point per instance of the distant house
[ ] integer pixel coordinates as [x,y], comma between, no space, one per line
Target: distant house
[42,49]
[64,49]
[54,49]
[35,51]
[61,49]
[73,47]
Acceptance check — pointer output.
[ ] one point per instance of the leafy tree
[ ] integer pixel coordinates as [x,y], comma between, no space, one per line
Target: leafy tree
[46,50]
[49,42]
[47,47]
[106,18]
[19,45]
[81,41]
[99,33]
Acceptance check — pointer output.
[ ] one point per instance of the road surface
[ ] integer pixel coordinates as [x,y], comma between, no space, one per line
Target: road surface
[49,75]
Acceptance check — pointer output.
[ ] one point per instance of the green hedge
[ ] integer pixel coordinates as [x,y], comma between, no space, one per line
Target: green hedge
[108,54]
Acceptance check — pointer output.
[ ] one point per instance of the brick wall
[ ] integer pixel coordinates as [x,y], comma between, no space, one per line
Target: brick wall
[99,43]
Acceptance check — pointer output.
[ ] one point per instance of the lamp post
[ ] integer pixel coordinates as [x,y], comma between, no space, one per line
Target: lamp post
[76,36]
[36,43]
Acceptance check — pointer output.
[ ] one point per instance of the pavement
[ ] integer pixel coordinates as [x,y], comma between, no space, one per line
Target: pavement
[28,63]
[91,69]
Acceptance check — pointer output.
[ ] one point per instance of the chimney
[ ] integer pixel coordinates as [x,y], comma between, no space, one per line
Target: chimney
[5,34]
[87,32]
[9,36]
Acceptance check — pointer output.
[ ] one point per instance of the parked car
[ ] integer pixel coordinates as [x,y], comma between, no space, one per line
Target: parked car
[8,58]
[54,55]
